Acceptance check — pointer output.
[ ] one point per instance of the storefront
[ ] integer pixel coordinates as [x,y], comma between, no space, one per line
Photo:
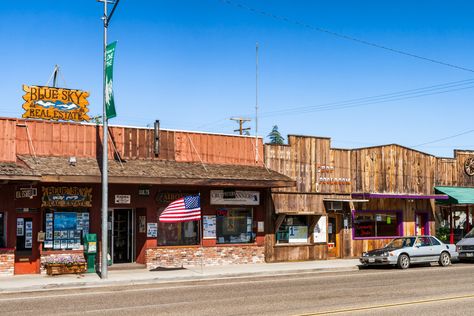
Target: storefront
[47,212]
[348,201]
[455,213]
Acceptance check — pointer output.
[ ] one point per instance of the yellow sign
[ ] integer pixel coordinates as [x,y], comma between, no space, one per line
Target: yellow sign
[50,103]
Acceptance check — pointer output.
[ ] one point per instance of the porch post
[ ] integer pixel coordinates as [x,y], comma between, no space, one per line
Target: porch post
[451,234]
[468,225]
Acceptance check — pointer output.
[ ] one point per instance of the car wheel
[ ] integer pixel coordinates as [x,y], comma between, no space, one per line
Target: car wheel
[403,261]
[444,259]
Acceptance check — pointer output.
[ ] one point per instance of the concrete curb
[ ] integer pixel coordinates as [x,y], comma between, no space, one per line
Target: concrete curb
[165,280]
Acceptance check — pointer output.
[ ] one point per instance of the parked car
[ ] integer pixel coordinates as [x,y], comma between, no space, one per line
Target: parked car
[405,251]
[465,247]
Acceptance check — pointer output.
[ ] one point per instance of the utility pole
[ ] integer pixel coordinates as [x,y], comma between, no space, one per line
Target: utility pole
[105,181]
[241,122]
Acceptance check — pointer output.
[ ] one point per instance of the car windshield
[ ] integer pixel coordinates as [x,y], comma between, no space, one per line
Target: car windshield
[401,242]
[470,234]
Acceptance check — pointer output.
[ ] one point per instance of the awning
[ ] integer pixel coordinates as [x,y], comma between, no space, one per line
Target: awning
[399,196]
[456,195]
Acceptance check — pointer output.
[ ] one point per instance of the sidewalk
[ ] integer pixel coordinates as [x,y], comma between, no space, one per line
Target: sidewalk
[19,283]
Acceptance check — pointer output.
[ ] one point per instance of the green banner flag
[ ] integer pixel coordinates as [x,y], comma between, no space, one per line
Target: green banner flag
[109,93]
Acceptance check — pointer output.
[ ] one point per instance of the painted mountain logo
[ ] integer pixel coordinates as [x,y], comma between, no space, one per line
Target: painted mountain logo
[51,103]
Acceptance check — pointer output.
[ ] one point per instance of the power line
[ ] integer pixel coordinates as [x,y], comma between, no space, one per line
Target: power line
[381,97]
[444,138]
[340,35]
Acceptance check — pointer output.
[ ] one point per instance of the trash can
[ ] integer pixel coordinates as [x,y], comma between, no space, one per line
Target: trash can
[90,251]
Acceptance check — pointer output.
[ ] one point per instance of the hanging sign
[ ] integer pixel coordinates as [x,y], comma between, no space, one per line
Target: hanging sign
[221,197]
[66,196]
[109,93]
[49,103]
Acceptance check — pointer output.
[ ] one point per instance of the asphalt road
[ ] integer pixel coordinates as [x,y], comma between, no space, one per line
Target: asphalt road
[421,290]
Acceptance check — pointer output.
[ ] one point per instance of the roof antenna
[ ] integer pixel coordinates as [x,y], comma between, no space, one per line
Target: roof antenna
[53,76]
[256,102]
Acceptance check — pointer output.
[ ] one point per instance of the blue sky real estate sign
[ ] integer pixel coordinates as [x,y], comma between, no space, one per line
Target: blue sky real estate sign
[57,104]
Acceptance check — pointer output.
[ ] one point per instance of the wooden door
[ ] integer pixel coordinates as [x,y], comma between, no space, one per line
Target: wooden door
[334,235]
[27,252]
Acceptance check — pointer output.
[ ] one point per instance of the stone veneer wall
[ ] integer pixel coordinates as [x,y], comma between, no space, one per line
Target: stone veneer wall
[7,262]
[191,256]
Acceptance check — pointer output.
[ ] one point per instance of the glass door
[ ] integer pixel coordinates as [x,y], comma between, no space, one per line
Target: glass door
[122,235]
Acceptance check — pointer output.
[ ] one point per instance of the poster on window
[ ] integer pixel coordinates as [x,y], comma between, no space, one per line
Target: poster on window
[209,226]
[152,230]
[297,234]
[20,226]
[319,233]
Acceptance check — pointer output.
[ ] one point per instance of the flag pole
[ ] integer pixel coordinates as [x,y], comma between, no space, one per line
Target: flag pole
[201,237]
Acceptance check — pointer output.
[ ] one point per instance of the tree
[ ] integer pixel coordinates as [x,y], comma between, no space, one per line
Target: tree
[275,136]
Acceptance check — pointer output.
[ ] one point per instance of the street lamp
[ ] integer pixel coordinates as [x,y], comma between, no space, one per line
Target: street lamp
[104,253]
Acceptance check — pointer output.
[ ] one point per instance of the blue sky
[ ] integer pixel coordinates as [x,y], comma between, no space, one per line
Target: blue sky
[191,64]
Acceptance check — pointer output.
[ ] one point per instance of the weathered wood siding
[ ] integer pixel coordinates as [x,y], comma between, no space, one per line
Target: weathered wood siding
[45,138]
[393,169]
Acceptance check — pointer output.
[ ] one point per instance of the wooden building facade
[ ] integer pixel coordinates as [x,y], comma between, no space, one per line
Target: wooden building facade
[347,201]
[50,194]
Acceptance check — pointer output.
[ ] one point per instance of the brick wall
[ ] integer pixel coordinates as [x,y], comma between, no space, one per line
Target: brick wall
[7,262]
[191,256]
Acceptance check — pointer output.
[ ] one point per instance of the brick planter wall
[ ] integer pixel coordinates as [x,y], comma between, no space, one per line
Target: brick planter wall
[191,256]
[7,262]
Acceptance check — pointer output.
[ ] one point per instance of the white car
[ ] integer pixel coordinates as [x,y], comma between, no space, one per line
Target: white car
[405,251]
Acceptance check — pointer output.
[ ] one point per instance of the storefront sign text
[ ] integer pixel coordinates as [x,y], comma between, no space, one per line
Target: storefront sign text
[26,193]
[49,103]
[67,196]
[239,198]
[122,199]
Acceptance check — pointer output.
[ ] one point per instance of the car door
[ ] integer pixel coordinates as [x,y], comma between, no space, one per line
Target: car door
[422,251]
[437,248]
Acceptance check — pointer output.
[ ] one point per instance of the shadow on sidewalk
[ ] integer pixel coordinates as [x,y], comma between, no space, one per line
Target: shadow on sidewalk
[166,269]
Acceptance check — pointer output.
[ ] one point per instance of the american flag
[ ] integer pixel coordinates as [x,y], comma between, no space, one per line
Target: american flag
[185,209]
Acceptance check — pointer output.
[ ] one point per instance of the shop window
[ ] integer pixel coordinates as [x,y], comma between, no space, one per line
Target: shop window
[65,229]
[3,241]
[294,229]
[178,234]
[234,225]
[376,224]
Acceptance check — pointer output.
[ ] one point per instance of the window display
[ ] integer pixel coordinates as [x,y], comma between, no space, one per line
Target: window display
[234,225]
[376,224]
[64,229]
[294,229]
[177,234]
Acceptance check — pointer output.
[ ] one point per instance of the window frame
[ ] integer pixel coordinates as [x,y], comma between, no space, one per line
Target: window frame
[398,213]
[237,207]
[55,210]
[308,235]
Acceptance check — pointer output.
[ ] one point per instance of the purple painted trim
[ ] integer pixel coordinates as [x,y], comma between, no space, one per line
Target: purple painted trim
[400,228]
[399,196]
[426,216]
